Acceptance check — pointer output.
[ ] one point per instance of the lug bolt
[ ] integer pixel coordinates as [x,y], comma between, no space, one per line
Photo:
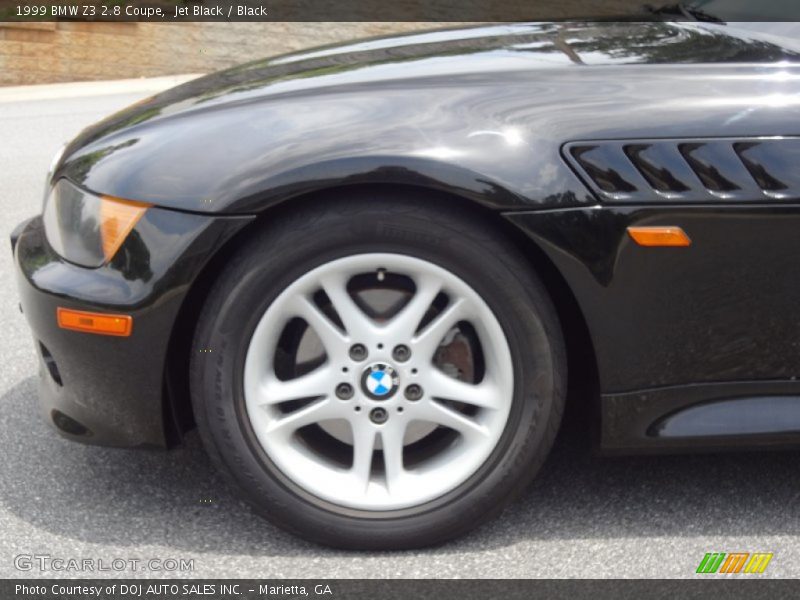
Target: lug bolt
[414,392]
[358,352]
[344,391]
[401,353]
[378,415]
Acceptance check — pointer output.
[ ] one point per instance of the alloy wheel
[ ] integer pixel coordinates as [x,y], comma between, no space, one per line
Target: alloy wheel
[378,381]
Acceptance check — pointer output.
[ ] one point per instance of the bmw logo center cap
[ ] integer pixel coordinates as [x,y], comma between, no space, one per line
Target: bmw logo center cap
[380,381]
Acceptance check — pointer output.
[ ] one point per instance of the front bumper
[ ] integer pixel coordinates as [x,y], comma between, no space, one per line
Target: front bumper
[111,390]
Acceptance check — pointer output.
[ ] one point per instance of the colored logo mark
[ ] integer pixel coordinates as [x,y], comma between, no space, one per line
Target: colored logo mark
[734,562]
[379,383]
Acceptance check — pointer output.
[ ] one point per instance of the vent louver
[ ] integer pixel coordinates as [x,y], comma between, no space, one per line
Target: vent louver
[682,170]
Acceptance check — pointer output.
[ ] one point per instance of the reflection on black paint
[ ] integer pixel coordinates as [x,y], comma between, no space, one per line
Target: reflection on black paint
[132,260]
[80,167]
[398,97]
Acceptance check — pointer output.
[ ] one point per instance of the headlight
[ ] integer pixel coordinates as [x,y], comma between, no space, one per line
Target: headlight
[53,164]
[56,158]
[86,229]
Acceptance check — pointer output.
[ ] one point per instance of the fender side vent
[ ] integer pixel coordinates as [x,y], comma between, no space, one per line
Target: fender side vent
[596,162]
[706,162]
[689,170]
[756,156]
[651,161]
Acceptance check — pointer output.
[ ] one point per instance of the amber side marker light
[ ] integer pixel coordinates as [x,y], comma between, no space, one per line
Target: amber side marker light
[660,236]
[100,323]
[117,218]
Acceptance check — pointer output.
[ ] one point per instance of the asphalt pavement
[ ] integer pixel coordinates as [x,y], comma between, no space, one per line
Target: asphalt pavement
[586,516]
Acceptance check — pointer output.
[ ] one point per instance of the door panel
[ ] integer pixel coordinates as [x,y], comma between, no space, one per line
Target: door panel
[726,308]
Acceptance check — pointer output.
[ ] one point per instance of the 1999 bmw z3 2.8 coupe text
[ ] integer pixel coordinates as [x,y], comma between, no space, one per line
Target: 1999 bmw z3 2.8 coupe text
[363,271]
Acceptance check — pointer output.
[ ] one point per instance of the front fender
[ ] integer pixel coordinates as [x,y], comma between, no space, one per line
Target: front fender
[245,157]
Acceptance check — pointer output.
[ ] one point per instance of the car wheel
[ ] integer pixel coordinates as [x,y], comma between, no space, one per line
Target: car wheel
[378,373]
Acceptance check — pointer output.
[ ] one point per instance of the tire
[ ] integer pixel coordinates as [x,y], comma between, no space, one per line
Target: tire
[473,460]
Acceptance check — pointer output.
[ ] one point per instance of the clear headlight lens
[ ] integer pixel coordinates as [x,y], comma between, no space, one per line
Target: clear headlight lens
[56,158]
[53,164]
[86,229]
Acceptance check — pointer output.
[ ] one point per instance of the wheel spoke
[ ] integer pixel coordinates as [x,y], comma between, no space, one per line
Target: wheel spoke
[435,412]
[318,382]
[295,420]
[333,340]
[439,385]
[405,322]
[363,447]
[428,340]
[357,324]
[392,444]
[320,410]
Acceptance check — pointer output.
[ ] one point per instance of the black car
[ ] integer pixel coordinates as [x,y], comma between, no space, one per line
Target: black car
[371,273]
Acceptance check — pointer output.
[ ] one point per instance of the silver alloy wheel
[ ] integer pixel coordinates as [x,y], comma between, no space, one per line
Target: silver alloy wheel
[383,406]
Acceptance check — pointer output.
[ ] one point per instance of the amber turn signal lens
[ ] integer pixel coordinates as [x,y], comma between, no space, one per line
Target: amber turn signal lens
[117,218]
[660,236]
[100,323]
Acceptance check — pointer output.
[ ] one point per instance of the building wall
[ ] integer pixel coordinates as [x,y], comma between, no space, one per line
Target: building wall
[82,51]
[78,51]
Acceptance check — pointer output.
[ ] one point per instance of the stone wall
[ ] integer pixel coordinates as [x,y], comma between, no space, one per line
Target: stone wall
[65,51]
[77,51]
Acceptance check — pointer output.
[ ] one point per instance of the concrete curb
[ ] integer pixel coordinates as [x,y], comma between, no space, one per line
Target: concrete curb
[81,89]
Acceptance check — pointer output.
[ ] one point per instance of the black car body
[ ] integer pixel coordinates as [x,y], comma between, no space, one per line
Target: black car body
[563,135]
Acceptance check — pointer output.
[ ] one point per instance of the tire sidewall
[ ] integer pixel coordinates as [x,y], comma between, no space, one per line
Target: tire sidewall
[280,254]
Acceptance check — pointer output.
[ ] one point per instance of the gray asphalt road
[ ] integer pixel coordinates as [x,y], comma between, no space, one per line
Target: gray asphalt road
[585,516]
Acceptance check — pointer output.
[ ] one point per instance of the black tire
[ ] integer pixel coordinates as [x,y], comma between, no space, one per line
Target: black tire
[314,234]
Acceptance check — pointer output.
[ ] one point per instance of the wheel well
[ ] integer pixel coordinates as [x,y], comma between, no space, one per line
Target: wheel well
[582,364]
